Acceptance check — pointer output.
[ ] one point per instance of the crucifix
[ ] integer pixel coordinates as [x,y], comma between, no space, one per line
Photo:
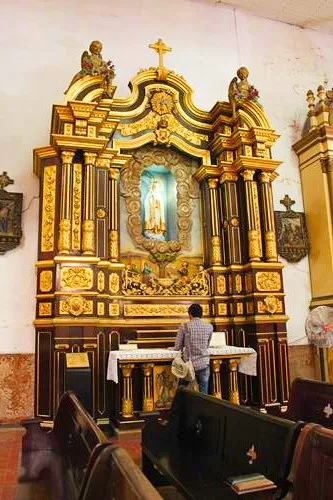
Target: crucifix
[161,49]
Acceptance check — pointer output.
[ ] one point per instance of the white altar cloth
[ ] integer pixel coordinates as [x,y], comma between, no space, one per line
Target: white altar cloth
[247,365]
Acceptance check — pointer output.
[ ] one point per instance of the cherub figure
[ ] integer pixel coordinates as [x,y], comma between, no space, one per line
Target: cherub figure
[93,64]
[241,90]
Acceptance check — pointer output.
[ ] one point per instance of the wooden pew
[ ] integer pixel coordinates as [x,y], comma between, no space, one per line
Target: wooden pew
[113,475]
[311,474]
[76,461]
[311,401]
[207,440]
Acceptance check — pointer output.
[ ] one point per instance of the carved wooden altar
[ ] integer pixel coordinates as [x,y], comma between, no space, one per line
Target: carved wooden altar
[101,281]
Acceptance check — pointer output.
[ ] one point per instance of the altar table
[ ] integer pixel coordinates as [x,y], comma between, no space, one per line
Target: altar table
[123,362]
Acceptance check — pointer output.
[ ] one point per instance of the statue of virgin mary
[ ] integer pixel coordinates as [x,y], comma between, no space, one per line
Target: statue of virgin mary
[154,225]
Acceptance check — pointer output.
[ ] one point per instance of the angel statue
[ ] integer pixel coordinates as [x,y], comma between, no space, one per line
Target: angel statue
[93,64]
[241,90]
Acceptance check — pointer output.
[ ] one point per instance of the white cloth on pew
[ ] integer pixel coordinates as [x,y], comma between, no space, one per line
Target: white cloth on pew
[247,365]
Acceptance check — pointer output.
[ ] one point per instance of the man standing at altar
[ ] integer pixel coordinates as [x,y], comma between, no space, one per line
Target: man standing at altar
[194,337]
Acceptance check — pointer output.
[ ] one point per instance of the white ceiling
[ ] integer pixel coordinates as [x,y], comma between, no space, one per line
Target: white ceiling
[313,14]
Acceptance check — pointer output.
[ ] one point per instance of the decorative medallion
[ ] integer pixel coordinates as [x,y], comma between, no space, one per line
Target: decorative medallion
[162,102]
[10,216]
[270,304]
[293,241]
[76,305]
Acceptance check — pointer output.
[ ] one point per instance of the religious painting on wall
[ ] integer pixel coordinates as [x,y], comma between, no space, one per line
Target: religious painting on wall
[165,386]
[292,236]
[10,216]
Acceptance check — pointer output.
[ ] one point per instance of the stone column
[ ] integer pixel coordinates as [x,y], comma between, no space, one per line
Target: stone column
[215,222]
[113,216]
[253,216]
[88,225]
[268,216]
[64,241]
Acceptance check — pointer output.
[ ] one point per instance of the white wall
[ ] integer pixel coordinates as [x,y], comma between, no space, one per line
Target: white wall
[42,42]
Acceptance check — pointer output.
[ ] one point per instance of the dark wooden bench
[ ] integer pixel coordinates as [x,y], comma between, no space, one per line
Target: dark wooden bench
[75,460]
[311,401]
[311,474]
[207,440]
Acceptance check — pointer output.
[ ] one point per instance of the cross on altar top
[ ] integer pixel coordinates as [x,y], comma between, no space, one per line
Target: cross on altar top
[287,202]
[161,49]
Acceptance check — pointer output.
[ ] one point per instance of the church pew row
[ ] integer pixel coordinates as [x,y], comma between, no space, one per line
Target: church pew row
[311,401]
[75,461]
[311,475]
[207,440]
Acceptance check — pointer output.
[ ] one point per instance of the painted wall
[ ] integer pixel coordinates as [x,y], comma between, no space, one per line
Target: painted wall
[42,41]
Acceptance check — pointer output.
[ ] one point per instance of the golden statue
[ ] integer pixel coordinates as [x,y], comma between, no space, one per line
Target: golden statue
[242,90]
[93,64]
[154,223]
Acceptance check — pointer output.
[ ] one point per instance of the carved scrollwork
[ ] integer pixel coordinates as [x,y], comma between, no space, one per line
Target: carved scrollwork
[134,284]
[187,189]
[76,305]
[268,281]
[76,277]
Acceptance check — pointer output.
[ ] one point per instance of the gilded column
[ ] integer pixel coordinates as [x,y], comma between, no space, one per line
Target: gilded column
[233,382]
[215,222]
[89,202]
[253,216]
[147,389]
[231,225]
[113,218]
[217,391]
[64,241]
[268,216]
[127,399]
[327,169]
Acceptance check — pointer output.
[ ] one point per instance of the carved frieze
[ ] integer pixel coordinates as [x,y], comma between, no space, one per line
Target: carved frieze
[159,309]
[268,281]
[76,277]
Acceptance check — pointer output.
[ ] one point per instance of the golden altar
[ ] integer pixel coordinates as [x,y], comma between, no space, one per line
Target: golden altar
[158,385]
[149,204]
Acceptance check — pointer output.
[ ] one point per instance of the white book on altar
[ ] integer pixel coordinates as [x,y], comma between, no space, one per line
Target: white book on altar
[217,340]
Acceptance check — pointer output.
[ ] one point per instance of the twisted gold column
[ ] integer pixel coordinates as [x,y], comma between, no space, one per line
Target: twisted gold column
[253,216]
[64,241]
[268,212]
[113,217]
[147,388]
[217,391]
[233,381]
[215,222]
[127,399]
[88,225]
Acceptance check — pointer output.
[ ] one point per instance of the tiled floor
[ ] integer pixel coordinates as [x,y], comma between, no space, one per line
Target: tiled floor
[10,452]
[10,456]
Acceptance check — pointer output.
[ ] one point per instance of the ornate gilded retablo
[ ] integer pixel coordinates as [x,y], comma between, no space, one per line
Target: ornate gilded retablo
[10,216]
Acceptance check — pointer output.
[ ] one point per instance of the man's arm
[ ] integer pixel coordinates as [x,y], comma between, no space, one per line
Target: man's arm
[179,339]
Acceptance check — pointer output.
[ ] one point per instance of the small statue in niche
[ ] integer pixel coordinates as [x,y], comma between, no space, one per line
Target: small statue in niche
[241,90]
[93,64]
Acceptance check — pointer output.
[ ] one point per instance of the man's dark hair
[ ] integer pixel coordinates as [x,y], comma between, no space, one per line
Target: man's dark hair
[195,310]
